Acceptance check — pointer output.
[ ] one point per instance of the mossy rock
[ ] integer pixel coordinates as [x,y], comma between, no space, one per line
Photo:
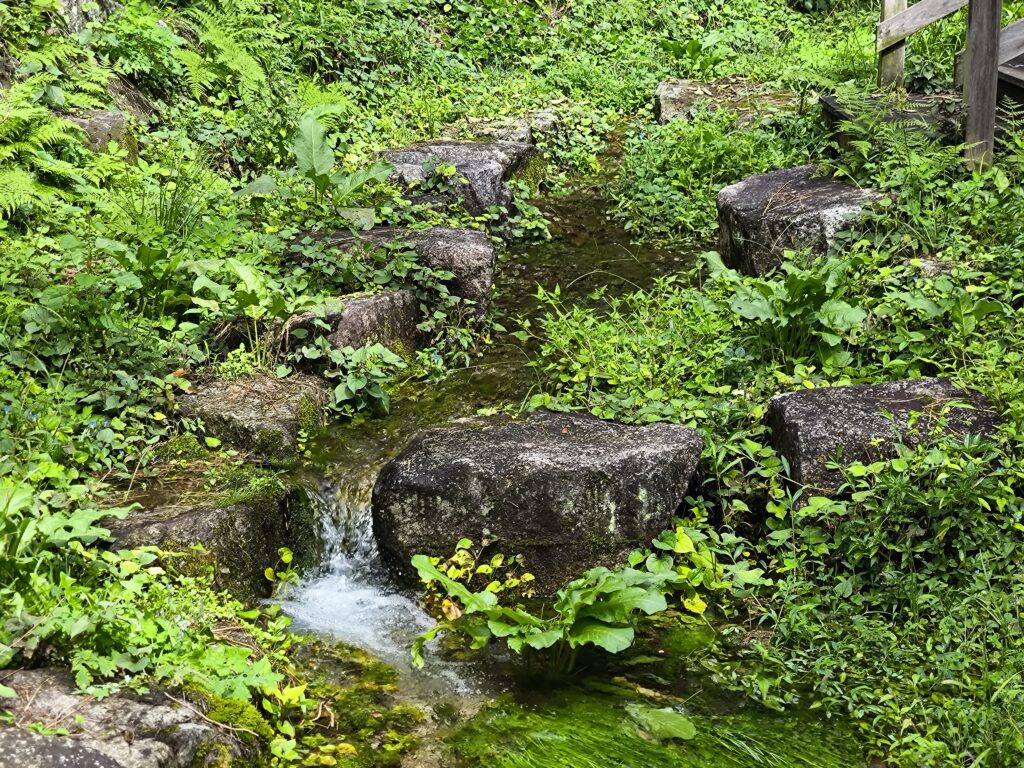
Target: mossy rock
[232,525]
[259,413]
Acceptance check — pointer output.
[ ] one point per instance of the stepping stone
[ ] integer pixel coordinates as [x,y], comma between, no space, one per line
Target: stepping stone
[487,166]
[677,99]
[388,318]
[527,129]
[259,413]
[567,491]
[124,730]
[763,216]
[467,253]
[864,422]
[241,524]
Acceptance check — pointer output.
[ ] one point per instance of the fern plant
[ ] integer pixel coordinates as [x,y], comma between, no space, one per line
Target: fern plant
[30,173]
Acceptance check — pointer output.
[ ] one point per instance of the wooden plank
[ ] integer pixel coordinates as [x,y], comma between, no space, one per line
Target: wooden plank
[1011,41]
[916,17]
[891,61]
[981,81]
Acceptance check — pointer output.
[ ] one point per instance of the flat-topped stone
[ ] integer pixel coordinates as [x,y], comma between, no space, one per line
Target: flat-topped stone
[122,731]
[567,491]
[678,98]
[795,209]
[863,422]
[389,318]
[530,128]
[241,524]
[486,167]
[259,413]
[468,254]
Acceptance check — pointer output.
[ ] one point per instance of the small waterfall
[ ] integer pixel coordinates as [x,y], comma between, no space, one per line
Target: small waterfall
[351,598]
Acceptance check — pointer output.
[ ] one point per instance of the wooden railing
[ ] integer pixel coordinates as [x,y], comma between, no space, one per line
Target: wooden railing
[985,52]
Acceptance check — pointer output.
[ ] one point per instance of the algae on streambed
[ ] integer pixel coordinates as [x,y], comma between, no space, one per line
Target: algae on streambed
[577,728]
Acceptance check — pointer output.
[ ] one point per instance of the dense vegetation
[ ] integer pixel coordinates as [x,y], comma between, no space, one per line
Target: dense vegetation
[129,268]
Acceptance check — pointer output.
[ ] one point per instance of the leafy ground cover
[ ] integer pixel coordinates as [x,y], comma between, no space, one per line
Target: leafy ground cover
[125,269]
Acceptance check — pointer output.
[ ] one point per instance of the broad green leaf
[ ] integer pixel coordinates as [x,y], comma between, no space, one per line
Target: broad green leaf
[593,632]
[313,156]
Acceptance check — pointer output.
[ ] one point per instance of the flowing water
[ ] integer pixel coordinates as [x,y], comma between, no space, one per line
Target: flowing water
[352,599]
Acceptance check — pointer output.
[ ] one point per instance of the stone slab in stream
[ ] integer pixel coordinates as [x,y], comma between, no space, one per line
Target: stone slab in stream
[863,422]
[487,166]
[468,254]
[240,529]
[763,216]
[388,318]
[567,491]
[259,413]
[121,731]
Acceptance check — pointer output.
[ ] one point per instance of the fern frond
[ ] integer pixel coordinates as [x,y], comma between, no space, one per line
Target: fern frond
[19,188]
[201,76]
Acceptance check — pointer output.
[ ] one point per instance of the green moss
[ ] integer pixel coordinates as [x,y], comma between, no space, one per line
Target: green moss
[582,729]
[312,416]
[213,755]
[183,446]
[240,715]
[535,171]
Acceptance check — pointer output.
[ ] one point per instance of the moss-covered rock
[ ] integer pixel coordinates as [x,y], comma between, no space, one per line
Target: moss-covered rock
[231,521]
[259,413]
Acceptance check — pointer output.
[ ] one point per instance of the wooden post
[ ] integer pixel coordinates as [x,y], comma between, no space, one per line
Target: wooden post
[981,82]
[891,60]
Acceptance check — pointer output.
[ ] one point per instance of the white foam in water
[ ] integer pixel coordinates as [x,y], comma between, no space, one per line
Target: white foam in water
[353,600]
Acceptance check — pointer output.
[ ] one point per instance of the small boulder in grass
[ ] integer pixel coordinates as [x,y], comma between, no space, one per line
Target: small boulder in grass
[865,422]
[793,209]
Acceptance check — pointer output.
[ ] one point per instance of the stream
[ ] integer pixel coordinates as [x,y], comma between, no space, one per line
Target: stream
[351,598]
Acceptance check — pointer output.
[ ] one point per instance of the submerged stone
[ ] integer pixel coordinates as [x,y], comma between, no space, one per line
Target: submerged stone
[121,731]
[567,491]
[468,254]
[763,216]
[240,527]
[864,422]
[259,413]
[388,318]
[486,166]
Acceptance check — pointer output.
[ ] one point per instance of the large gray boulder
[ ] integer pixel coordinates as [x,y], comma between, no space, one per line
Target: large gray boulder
[486,167]
[567,491]
[240,524]
[468,254]
[763,216]
[259,413]
[863,422]
[122,731]
[388,318]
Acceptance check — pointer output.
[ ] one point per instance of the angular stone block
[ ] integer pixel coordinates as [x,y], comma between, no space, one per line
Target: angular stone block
[791,209]
[863,422]
[569,492]
[487,166]
[259,413]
